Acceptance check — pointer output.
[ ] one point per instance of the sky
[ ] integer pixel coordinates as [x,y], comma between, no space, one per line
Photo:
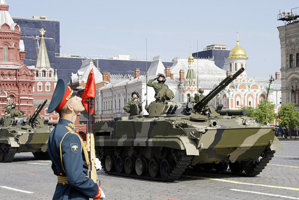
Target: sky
[172,28]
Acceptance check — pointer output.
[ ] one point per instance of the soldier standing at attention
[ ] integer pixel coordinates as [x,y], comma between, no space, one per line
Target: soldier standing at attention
[68,151]
[134,107]
[162,92]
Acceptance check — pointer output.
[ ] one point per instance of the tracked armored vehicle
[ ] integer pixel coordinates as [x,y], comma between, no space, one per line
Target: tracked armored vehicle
[20,134]
[176,136]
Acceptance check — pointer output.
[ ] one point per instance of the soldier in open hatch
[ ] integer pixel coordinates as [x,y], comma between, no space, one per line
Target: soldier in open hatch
[134,107]
[200,96]
[162,92]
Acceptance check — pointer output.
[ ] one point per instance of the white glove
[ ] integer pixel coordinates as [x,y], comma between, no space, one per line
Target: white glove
[102,194]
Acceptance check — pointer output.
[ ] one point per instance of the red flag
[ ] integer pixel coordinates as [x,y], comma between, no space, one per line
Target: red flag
[89,91]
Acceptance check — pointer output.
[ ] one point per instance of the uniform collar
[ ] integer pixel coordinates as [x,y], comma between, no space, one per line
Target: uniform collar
[67,123]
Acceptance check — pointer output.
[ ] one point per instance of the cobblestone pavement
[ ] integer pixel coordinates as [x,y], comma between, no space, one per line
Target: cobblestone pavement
[26,178]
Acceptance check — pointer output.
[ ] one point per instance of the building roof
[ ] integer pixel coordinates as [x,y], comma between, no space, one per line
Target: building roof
[83,73]
[156,67]
[5,17]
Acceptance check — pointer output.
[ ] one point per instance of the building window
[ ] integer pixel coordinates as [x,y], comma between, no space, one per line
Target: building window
[249,103]
[50,74]
[43,73]
[231,66]
[236,66]
[39,86]
[291,61]
[48,86]
[36,73]
[297,59]
[5,53]
[238,103]
[295,98]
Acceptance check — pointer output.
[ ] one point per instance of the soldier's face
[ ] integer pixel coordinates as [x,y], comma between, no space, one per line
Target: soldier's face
[134,96]
[76,103]
[160,78]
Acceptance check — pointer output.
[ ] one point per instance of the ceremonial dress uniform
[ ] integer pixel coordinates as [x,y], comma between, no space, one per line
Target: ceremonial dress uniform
[69,163]
[69,155]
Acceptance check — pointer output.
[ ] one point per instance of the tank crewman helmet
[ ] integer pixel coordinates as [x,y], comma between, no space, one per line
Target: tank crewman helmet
[60,96]
[200,90]
[135,93]
[164,78]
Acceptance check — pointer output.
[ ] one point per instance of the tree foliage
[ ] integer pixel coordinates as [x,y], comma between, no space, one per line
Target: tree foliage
[264,113]
[288,116]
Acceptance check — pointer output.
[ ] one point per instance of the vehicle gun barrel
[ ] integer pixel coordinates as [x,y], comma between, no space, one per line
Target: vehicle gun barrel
[200,105]
[36,112]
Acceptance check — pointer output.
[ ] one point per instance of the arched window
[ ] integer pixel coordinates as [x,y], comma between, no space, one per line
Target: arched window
[291,61]
[43,73]
[297,59]
[50,74]
[36,73]
[5,53]
[39,86]
[48,86]
[236,66]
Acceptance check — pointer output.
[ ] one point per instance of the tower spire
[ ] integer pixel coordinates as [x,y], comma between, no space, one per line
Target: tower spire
[43,58]
[238,38]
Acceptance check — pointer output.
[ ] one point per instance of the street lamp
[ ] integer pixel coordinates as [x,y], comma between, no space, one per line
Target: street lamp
[270,82]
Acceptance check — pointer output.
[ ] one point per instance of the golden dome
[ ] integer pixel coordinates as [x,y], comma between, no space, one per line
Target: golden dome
[237,52]
[191,59]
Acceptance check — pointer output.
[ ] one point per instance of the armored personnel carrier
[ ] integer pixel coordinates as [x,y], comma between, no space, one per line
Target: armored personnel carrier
[174,137]
[19,134]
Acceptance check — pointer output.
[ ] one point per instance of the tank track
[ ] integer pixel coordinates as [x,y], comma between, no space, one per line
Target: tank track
[181,165]
[254,168]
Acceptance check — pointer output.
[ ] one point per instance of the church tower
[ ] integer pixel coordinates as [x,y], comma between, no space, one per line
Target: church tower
[190,86]
[237,59]
[45,79]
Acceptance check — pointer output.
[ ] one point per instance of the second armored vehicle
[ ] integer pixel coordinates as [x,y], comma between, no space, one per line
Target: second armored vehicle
[175,137]
[20,134]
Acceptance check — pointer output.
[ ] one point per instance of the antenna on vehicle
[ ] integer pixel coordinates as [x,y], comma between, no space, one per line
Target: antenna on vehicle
[146,89]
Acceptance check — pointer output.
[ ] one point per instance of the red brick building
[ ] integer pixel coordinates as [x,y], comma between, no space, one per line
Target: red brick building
[16,79]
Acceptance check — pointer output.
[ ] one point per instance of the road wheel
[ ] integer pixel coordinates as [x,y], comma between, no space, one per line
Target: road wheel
[9,154]
[236,168]
[153,168]
[1,155]
[164,169]
[221,167]
[108,163]
[140,166]
[129,164]
[119,164]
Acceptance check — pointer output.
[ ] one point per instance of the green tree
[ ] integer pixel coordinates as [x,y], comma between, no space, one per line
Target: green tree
[264,113]
[288,117]
[250,111]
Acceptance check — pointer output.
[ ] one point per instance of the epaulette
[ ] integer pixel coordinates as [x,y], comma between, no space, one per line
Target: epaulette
[70,129]
[71,125]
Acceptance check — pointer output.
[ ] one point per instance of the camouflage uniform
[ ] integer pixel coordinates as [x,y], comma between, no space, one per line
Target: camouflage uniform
[162,92]
[133,107]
